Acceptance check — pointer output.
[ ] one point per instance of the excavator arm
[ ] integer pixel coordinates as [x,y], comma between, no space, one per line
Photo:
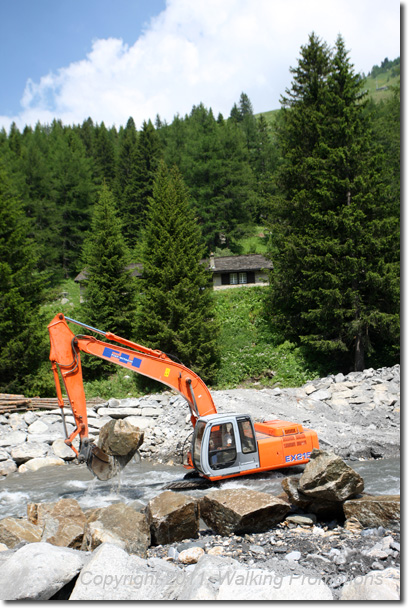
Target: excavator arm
[65,358]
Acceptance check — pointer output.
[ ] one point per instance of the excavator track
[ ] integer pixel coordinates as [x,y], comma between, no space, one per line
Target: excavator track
[190,483]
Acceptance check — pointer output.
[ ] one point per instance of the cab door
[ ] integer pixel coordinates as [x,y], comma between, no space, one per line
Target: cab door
[248,455]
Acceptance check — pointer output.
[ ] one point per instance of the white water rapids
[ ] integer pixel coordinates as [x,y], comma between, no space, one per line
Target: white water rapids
[142,481]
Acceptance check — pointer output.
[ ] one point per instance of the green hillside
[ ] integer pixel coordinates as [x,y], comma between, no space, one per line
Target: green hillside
[379,84]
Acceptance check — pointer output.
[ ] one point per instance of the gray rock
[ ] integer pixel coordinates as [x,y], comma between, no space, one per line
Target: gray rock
[4,455]
[62,522]
[141,422]
[119,524]
[172,517]
[62,450]
[205,580]
[37,463]
[7,467]
[38,427]
[17,422]
[28,451]
[12,438]
[302,519]
[374,511]
[328,477]
[323,394]
[118,412]
[37,571]
[150,412]
[128,402]
[260,585]
[112,574]
[379,585]
[30,417]
[229,511]
[293,556]
[14,530]
[120,437]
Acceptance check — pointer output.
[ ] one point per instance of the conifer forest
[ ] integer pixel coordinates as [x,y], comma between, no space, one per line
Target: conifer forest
[321,176]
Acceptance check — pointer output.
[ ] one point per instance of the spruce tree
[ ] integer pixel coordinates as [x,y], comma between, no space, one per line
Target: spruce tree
[176,308]
[73,192]
[147,155]
[110,290]
[333,287]
[23,337]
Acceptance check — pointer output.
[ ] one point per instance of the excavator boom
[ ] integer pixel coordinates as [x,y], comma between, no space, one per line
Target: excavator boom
[65,358]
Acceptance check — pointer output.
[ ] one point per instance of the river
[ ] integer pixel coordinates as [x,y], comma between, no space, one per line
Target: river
[142,481]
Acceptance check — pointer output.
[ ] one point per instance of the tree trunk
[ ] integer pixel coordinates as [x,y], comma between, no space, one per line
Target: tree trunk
[359,353]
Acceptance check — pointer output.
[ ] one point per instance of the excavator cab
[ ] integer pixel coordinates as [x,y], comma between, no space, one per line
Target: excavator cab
[224,445]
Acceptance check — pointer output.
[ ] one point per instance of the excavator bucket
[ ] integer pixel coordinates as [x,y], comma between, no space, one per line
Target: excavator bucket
[100,464]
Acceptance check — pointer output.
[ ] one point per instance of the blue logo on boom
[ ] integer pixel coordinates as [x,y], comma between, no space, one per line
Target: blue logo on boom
[122,358]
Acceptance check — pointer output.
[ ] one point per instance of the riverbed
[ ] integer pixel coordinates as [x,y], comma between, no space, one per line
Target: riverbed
[142,480]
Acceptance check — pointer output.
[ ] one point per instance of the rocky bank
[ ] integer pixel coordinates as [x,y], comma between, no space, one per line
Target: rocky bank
[323,538]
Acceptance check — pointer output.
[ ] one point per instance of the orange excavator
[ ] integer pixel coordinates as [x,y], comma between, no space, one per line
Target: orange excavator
[223,446]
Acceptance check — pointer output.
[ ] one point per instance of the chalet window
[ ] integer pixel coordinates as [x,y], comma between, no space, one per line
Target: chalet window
[242,277]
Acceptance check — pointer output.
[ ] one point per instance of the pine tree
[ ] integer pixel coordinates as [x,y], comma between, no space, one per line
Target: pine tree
[104,156]
[73,191]
[333,285]
[176,310]
[147,155]
[110,293]
[23,341]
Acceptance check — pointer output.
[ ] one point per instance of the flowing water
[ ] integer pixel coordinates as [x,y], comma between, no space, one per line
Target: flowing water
[142,481]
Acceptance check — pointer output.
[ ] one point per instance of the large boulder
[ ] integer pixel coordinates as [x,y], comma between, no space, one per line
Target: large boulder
[172,517]
[374,511]
[37,463]
[112,574]
[239,511]
[7,467]
[28,451]
[379,585]
[14,530]
[223,578]
[62,522]
[38,571]
[119,437]
[118,524]
[328,477]
[324,509]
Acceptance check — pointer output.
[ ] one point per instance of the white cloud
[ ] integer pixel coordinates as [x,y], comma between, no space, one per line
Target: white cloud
[207,51]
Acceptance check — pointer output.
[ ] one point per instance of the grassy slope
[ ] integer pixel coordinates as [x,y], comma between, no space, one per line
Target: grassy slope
[374,87]
[251,355]
[250,352]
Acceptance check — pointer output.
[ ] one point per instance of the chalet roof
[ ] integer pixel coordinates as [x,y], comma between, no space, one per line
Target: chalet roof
[245,262]
[216,264]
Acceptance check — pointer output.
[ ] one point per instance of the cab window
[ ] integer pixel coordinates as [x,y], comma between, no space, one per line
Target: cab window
[222,446]
[246,433]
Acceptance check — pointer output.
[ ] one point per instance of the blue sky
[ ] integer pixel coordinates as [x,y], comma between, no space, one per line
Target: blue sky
[109,59]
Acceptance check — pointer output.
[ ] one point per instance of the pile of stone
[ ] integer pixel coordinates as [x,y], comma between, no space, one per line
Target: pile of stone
[35,439]
[67,552]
